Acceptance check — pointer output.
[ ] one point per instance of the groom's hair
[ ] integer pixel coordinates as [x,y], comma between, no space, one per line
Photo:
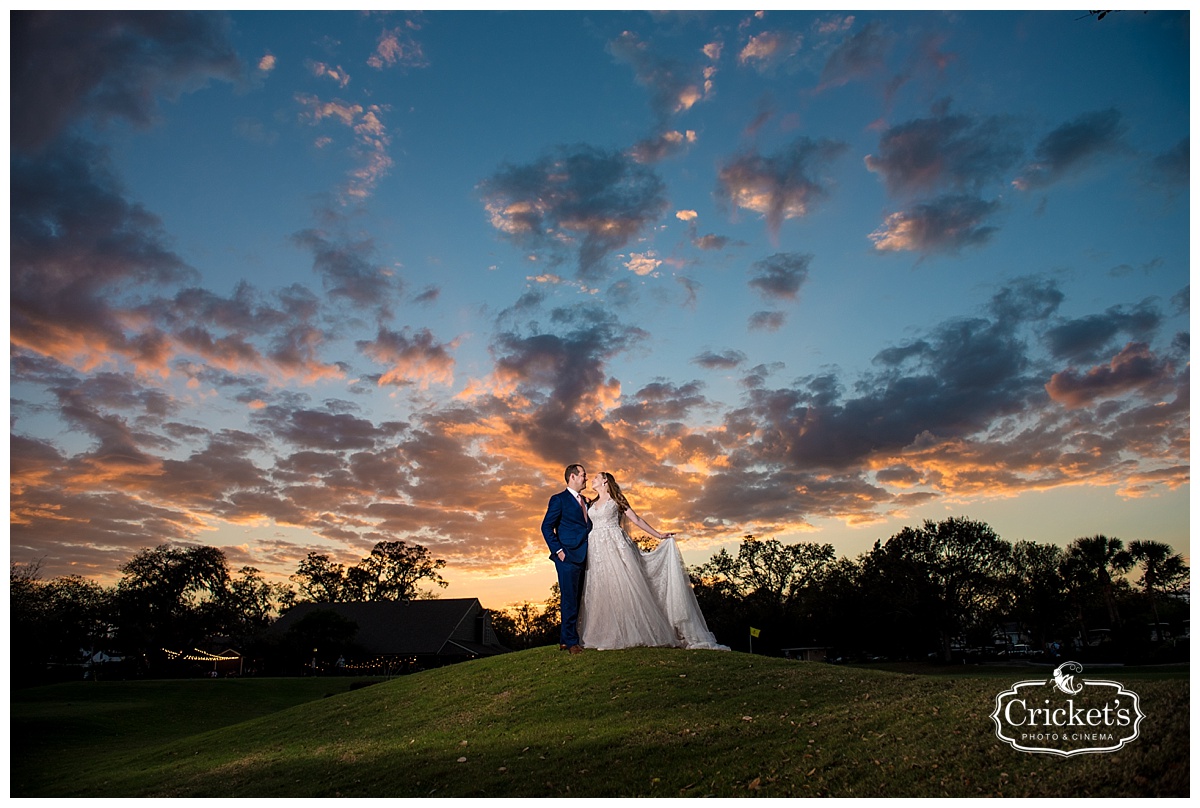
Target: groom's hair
[572,470]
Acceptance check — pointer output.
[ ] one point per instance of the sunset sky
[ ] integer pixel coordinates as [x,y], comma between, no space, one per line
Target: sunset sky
[293,282]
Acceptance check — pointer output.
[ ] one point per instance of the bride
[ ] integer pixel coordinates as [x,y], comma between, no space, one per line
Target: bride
[631,598]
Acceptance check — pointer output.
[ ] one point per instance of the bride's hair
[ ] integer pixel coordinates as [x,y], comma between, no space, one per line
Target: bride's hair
[614,491]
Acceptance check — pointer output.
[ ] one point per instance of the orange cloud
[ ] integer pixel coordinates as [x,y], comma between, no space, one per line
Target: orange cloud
[1134,368]
[340,76]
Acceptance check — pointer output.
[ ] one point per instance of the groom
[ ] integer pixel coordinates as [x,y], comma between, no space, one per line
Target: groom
[565,529]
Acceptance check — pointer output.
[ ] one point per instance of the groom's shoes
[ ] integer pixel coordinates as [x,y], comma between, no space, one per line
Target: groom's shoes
[576,649]
[562,647]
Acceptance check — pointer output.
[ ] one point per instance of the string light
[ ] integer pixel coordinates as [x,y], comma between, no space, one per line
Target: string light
[196,655]
[383,662]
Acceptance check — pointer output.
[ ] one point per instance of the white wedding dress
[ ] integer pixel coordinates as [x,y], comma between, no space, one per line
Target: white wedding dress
[632,598]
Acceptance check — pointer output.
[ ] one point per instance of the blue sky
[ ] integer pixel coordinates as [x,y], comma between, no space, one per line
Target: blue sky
[285,282]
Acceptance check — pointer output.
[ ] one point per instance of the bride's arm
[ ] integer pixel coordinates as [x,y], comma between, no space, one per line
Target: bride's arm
[640,522]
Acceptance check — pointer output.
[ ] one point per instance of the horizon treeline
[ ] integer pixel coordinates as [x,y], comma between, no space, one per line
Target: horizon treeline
[948,591]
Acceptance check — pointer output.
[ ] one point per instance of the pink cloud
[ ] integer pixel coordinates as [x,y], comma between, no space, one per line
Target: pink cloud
[1134,368]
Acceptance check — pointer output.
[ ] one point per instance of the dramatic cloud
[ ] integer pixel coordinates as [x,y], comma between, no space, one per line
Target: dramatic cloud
[643,263]
[765,52]
[945,225]
[583,201]
[371,139]
[1086,338]
[780,276]
[927,59]
[766,321]
[105,65]
[660,147]
[562,375]
[859,56]
[723,360]
[781,186]
[960,409]
[660,404]
[709,241]
[77,245]
[953,382]
[833,25]
[964,406]
[1026,299]
[337,74]
[322,430]
[347,271]
[296,348]
[674,87]
[415,359]
[1071,147]
[1134,368]
[249,332]
[399,46]
[175,381]
[955,152]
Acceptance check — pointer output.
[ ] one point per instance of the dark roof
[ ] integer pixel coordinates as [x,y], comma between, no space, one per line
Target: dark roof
[450,627]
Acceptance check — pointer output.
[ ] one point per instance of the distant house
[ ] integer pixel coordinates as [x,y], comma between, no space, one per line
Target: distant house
[418,633]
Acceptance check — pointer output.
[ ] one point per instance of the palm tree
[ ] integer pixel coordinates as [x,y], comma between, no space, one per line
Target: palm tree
[1161,569]
[1099,561]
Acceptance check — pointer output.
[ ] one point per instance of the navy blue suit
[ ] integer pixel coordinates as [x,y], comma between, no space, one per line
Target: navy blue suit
[566,527]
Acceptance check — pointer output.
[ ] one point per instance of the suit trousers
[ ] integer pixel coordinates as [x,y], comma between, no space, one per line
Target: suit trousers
[570,588]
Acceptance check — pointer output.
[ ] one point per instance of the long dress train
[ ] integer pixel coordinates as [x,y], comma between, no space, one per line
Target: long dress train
[631,598]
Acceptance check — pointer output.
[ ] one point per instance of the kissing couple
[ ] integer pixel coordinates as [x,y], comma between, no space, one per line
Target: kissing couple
[613,594]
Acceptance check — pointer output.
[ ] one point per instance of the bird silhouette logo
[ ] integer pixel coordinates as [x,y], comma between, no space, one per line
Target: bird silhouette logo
[1064,677]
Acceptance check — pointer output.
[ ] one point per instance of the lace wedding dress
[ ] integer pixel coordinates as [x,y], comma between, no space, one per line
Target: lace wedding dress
[631,598]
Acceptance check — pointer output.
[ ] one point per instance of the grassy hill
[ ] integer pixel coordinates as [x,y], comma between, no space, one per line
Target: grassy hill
[642,722]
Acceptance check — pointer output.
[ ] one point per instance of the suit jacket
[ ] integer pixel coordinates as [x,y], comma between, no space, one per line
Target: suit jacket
[565,527]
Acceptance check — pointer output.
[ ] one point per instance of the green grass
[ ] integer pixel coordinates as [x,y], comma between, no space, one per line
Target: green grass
[642,722]
[67,731]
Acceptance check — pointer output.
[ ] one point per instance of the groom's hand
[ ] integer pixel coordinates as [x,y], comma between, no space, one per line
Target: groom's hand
[562,555]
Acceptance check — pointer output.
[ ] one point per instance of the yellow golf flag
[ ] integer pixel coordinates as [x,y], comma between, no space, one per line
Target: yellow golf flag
[754,632]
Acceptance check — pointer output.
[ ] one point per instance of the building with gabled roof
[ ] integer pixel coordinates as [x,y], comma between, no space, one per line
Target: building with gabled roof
[427,633]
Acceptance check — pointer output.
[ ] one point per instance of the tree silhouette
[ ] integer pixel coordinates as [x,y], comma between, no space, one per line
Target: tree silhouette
[62,620]
[948,576]
[392,571]
[768,571]
[1093,566]
[1037,591]
[251,603]
[170,597]
[321,580]
[1162,571]
[768,585]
